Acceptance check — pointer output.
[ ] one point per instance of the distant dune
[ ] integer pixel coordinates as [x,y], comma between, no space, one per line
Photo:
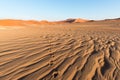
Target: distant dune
[10,22]
[73,21]
[80,20]
[72,49]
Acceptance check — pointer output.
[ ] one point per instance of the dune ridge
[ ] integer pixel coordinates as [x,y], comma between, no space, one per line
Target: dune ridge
[11,22]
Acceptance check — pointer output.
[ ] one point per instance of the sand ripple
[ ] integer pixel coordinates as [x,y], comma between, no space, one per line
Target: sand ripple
[76,54]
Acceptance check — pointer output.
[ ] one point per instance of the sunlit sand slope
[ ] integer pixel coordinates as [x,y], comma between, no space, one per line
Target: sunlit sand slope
[88,51]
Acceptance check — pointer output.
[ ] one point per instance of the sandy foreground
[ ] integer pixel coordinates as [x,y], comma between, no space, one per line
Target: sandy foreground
[80,51]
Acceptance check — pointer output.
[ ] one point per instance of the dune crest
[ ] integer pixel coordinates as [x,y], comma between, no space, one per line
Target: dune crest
[10,22]
[80,20]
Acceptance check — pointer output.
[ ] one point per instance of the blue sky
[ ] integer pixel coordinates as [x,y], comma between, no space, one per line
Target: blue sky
[59,9]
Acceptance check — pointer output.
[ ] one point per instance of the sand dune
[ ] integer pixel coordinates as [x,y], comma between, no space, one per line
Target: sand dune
[71,20]
[11,22]
[87,51]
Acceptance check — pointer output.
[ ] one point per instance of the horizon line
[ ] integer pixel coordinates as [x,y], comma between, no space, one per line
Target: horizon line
[55,20]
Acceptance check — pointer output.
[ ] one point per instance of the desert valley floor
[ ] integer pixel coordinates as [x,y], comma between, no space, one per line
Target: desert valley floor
[78,51]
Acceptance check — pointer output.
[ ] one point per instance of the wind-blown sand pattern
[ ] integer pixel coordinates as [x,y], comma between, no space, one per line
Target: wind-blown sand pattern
[79,51]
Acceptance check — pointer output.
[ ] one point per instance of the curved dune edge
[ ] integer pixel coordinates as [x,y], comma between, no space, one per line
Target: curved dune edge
[84,52]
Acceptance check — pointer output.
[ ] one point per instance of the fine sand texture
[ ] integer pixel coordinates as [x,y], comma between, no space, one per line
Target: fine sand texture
[77,51]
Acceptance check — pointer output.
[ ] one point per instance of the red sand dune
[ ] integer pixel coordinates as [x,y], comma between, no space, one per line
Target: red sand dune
[11,22]
[80,20]
[73,21]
